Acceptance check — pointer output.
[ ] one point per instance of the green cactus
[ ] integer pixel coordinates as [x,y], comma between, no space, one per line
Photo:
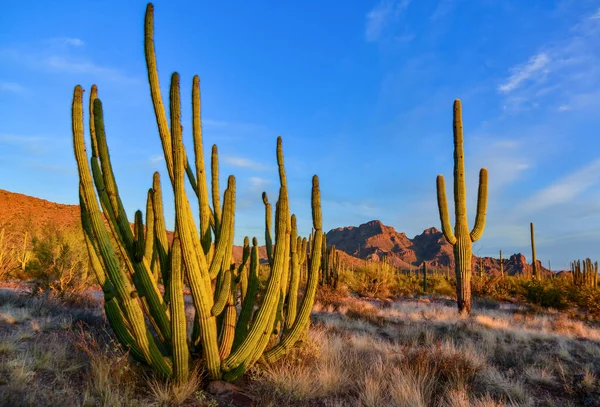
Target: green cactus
[151,323]
[330,266]
[501,265]
[535,270]
[461,239]
[424,277]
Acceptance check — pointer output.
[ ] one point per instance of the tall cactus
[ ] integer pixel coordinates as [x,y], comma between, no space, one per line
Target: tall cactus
[129,265]
[501,265]
[424,277]
[534,268]
[461,239]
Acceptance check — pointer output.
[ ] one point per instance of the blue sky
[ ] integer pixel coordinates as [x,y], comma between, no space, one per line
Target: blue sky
[361,94]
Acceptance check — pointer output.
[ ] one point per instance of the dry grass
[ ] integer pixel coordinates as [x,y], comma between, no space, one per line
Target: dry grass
[422,353]
[358,353]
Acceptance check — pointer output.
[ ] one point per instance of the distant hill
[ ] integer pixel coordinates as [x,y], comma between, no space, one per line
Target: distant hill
[374,240]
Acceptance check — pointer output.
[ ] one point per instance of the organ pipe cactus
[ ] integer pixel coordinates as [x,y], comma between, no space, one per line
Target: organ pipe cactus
[130,264]
[461,239]
[585,273]
[330,266]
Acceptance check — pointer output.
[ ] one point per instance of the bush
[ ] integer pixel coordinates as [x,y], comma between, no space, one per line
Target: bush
[59,263]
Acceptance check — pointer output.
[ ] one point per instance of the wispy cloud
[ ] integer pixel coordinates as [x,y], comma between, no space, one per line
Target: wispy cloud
[156,159]
[444,7]
[565,189]
[522,73]
[382,16]
[562,75]
[11,87]
[61,55]
[30,144]
[66,41]
[243,162]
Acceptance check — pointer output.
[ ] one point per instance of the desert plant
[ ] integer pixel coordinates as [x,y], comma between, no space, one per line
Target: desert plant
[228,344]
[501,265]
[15,253]
[535,271]
[59,262]
[586,276]
[424,277]
[330,266]
[461,239]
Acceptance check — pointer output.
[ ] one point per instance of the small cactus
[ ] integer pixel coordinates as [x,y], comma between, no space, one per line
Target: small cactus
[535,270]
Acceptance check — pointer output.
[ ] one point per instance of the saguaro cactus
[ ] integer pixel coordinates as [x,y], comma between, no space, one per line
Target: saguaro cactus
[424,277]
[151,323]
[501,265]
[461,239]
[534,268]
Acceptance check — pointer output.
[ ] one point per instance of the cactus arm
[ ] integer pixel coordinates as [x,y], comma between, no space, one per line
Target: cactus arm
[123,288]
[216,198]
[443,209]
[481,206]
[242,269]
[460,185]
[229,319]
[198,276]
[225,240]
[222,294]
[178,319]
[203,203]
[268,221]
[294,278]
[303,318]
[140,240]
[157,103]
[149,241]
[250,297]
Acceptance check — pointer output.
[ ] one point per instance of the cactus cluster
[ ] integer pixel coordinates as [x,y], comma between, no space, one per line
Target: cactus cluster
[330,265]
[585,273]
[461,238]
[234,325]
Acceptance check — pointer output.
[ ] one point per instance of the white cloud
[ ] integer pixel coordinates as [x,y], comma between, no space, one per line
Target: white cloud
[156,159]
[562,73]
[383,15]
[11,87]
[524,72]
[243,162]
[565,189]
[66,41]
[62,55]
[30,144]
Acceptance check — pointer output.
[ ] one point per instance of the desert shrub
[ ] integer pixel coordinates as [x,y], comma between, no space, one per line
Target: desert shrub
[59,263]
[369,281]
[14,252]
[545,294]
